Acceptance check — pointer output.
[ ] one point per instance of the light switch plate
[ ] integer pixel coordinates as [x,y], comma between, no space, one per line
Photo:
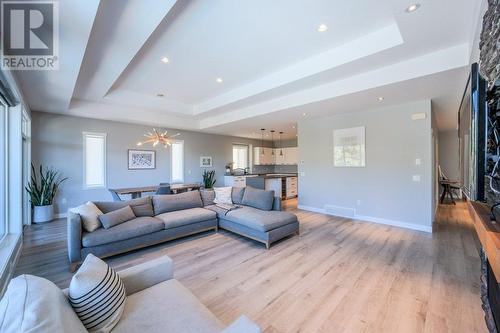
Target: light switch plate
[416,178]
[418,116]
[418,161]
[302,174]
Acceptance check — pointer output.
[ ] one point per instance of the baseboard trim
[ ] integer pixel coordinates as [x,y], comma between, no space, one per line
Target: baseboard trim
[372,219]
[61,216]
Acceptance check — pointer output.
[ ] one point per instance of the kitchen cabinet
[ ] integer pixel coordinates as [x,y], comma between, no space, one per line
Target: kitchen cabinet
[263,156]
[280,158]
[291,187]
[235,181]
[292,156]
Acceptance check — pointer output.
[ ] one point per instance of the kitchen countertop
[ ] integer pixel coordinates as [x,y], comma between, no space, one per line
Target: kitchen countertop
[267,175]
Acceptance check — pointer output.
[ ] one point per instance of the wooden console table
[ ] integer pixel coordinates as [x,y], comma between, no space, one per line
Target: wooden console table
[488,233]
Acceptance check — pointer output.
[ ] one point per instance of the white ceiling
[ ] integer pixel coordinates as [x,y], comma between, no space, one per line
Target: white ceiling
[274,64]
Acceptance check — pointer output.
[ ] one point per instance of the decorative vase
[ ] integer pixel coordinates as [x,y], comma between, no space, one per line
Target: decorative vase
[42,214]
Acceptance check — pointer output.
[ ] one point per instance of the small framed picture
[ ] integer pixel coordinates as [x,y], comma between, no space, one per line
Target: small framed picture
[141,159]
[205,161]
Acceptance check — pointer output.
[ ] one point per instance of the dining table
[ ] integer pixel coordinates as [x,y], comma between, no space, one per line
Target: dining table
[136,192]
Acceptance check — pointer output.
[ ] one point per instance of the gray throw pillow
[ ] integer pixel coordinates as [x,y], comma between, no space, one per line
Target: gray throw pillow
[237,195]
[258,198]
[207,196]
[116,217]
[140,206]
[172,202]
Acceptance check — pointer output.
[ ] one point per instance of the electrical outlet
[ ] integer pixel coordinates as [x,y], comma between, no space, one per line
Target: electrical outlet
[358,202]
[418,161]
[416,178]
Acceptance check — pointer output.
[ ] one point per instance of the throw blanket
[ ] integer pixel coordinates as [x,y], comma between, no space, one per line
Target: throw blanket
[227,207]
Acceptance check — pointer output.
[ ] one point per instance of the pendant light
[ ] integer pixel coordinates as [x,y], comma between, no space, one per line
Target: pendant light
[272,140]
[262,140]
[281,148]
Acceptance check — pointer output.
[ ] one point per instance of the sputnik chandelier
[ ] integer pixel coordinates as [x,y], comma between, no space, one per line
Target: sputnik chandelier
[156,138]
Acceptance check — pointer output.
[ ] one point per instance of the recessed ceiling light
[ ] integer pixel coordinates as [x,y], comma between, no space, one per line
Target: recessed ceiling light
[380,99]
[412,8]
[165,60]
[293,126]
[322,27]
[159,95]
[304,114]
[219,80]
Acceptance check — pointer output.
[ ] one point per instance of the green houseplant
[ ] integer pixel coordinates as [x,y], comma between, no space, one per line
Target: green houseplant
[42,189]
[209,179]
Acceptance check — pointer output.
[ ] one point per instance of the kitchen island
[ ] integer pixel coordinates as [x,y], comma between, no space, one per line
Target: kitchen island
[284,185]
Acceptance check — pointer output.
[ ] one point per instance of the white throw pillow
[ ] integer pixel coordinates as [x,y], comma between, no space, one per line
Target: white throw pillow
[97,295]
[223,195]
[90,216]
[34,304]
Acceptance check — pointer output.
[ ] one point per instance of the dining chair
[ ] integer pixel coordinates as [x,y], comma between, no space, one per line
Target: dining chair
[115,196]
[164,189]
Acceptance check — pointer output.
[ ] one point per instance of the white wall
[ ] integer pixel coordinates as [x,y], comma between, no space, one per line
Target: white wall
[384,188]
[449,154]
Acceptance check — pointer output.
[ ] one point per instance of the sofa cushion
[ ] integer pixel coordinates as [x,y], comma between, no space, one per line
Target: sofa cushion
[256,198]
[116,217]
[237,195]
[97,295]
[166,307]
[223,195]
[89,213]
[259,219]
[130,229]
[172,202]
[34,304]
[140,206]
[207,196]
[185,217]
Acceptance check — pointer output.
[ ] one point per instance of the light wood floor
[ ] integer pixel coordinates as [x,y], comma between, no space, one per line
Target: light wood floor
[339,275]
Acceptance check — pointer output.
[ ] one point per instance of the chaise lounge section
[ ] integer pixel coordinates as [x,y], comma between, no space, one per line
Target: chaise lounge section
[161,218]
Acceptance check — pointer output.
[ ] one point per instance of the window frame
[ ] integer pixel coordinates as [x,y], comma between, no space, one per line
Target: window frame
[172,180]
[84,139]
[5,171]
[248,153]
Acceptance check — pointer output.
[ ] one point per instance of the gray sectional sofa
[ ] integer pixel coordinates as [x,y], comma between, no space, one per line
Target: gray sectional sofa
[161,218]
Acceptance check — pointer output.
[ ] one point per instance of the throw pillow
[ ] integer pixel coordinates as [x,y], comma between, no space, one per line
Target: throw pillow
[164,203]
[207,196]
[116,217]
[141,206]
[258,198]
[97,295]
[89,214]
[34,304]
[237,195]
[223,195]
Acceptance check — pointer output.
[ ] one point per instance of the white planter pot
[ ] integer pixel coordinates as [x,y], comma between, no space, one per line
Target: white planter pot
[43,214]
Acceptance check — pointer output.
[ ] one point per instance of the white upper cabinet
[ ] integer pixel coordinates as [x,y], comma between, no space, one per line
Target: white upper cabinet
[265,156]
[292,156]
[280,158]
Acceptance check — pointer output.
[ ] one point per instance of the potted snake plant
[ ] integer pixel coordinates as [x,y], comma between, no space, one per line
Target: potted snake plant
[42,189]
[209,179]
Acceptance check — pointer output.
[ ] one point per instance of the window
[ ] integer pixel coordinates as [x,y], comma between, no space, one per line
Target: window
[240,156]
[94,160]
[177,161]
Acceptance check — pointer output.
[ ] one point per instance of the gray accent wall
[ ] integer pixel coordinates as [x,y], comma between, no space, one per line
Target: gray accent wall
[57,141]
[384,190]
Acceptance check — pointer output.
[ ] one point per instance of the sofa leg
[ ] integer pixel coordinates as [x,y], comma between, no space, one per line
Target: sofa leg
[73,266]
[268,245]
[216,229]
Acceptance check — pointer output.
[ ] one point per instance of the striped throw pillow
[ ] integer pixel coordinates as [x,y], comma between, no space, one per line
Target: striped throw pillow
[97,295]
